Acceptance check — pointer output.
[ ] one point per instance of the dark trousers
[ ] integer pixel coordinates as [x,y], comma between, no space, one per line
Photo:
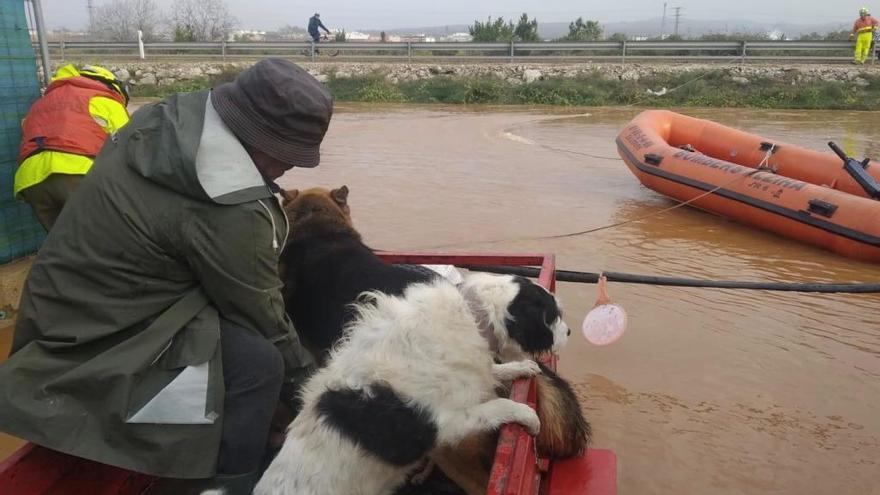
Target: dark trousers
[48,197]
[253,372]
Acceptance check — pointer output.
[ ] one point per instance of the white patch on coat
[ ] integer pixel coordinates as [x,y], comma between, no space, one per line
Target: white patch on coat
[181,402]
[223,165]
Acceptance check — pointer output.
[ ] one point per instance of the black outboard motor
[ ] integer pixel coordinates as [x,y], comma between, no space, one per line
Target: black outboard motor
[857,170]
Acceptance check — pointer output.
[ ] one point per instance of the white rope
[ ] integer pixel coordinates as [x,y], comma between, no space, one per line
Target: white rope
[765,163]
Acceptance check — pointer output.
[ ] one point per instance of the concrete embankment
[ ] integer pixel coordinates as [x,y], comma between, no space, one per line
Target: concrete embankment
[164,74]
[839,87]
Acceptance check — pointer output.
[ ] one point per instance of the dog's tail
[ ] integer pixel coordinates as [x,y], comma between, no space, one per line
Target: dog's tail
[564,430]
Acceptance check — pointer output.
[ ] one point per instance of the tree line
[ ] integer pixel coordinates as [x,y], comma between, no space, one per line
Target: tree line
[186,20]
[526,30]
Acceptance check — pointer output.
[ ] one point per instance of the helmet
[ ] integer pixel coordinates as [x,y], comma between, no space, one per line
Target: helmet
[103,75]
[96,73]
[317,14]
[863,11]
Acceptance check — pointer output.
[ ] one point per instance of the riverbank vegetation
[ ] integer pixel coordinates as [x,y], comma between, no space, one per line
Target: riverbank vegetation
[708,88]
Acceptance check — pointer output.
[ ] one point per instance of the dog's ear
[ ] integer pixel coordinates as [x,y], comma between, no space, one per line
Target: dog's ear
[288,196]
[340,195]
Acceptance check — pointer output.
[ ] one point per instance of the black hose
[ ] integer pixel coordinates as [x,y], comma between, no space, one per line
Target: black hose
[630,278]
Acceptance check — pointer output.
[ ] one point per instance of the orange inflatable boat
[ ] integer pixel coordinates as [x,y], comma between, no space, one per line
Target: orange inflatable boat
[823,199]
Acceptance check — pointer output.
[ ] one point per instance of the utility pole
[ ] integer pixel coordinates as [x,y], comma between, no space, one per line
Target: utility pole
[91,7]
[677,18]
[663,23]
[41,37]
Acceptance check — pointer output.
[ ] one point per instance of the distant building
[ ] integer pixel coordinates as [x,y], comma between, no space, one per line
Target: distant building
[458,37]
[414,38]
[288,35]
[61,35]
[357,36]
[247,35]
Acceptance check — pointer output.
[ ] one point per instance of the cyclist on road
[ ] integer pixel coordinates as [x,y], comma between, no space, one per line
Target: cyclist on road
[314,24]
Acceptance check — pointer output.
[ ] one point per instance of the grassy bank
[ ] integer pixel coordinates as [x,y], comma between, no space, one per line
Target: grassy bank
[713,88]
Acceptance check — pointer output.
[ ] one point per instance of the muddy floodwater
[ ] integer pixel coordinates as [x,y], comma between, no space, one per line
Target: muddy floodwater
[709,391]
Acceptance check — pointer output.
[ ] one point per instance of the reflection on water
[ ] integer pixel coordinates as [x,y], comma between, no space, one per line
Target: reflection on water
[710,391]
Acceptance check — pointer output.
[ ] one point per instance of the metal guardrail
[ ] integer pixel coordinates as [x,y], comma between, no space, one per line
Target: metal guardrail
[801,51]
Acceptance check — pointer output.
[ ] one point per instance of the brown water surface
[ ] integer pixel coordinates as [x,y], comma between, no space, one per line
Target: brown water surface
[709,391]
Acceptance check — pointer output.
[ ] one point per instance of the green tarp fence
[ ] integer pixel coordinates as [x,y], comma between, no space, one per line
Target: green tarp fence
[20,234]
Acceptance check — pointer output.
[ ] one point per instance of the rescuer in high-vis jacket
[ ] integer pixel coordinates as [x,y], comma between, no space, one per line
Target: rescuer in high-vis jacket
[63,132]
[863,30]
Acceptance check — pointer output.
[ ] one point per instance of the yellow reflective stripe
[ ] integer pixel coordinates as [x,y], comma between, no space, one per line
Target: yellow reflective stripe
[108,113]
[37,168]
[65,72]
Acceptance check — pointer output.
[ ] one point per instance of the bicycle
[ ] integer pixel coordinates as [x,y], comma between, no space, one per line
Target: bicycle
[324,38]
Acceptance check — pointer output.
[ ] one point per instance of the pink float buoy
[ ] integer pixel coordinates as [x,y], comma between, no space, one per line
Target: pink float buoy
[606,322]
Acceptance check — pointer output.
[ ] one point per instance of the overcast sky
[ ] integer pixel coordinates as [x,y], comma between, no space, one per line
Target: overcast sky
[387,14]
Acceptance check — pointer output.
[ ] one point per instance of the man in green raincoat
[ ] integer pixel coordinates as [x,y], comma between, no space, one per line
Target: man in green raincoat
[152,333]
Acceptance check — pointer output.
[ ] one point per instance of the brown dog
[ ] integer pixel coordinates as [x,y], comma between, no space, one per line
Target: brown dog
[326,267]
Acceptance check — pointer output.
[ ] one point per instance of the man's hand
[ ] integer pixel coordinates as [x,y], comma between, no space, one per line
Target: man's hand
[280,421]
[290,389]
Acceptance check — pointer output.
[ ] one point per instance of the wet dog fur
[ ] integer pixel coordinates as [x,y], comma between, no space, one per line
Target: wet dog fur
[326,266]
[321,218]
[411,374]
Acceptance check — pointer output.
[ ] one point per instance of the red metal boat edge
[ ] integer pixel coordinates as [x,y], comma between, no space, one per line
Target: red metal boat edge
[34,470]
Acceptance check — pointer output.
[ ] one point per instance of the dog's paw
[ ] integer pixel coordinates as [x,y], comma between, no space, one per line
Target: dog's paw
[528,418]
[529,368]
[516,369]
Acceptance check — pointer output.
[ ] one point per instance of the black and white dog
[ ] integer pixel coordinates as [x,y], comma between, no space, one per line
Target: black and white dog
[412,373]
[415,368]
[326,266]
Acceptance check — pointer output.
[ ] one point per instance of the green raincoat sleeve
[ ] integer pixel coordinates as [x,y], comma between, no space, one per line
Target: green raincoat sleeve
[234,254]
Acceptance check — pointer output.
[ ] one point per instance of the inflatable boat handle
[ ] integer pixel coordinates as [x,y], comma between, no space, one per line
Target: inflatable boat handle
[857,170]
